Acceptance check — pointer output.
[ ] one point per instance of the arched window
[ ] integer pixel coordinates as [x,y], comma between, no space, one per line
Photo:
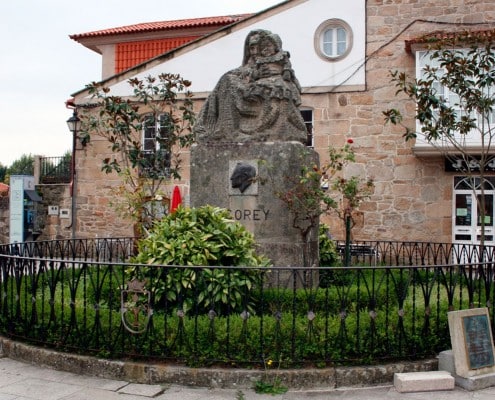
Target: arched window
[333,39]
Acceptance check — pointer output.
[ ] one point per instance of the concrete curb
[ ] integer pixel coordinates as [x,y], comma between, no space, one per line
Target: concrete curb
[156,373]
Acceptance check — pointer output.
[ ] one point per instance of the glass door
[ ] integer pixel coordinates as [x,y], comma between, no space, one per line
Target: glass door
[467,220]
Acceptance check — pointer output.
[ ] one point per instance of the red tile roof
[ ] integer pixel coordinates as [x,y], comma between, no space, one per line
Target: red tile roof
[3,187]
[462,37]
[163,25]
[129,54]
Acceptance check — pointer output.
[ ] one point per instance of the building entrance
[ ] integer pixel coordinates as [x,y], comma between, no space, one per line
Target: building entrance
[467,218]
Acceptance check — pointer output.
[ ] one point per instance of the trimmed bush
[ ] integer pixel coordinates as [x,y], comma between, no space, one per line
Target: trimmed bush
[204,236]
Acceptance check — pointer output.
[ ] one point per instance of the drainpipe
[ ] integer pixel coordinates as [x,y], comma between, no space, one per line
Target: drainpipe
[74,124]
[73,187]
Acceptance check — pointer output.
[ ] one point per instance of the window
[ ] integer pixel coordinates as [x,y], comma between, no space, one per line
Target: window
[425,63]
[156,146]
[466,219]
[308,121]
[333,39]
[149,135]
[490,93]
[451,99]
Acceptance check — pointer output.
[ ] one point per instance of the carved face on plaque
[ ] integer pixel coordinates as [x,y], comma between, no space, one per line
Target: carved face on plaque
[242,176]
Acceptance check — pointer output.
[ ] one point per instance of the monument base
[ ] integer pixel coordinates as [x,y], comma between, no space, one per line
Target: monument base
[216,179]
[446,363]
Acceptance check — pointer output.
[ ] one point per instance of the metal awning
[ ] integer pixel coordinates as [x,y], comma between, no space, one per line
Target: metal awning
[32,195]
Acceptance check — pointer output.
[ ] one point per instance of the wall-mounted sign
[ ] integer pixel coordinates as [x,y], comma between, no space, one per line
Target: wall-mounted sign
[64,213]
[16,209]
[52,210]
[470,164]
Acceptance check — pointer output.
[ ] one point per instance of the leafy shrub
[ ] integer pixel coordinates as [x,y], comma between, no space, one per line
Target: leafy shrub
[371,294]
[204,236]
[329,256]
[367,322]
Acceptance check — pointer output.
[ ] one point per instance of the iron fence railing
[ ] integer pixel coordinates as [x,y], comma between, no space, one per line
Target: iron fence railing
[392,303]
[55,170]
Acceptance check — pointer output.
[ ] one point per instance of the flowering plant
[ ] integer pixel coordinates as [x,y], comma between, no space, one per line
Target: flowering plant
[270,384]
[353,190]
[324,189]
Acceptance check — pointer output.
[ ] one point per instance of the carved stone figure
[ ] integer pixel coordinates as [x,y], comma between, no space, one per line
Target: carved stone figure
[242,176]
[257,101]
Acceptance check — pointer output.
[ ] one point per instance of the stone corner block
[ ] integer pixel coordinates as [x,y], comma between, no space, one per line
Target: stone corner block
[423,381]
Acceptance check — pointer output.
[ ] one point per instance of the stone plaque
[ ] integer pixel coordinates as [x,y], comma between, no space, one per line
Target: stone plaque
[478,339]
[472,342]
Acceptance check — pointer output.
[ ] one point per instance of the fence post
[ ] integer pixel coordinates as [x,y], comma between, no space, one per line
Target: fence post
[37,169]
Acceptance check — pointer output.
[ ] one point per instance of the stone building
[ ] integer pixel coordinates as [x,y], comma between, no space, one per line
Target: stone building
[342,54]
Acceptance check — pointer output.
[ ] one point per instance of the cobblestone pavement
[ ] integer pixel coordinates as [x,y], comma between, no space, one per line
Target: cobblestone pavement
[22,381]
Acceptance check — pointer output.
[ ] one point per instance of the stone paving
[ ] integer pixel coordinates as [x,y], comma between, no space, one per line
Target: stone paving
[23,381]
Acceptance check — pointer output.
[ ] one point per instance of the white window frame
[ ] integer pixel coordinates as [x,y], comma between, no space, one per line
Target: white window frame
[148,134]
[151,131]
[333,28]
[473,139]
[473,229]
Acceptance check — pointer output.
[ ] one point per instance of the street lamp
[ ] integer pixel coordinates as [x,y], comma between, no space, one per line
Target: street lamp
[74,124]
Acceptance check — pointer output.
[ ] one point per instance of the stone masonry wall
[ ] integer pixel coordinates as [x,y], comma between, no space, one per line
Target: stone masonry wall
[96,217]
[100,196]
[54,226]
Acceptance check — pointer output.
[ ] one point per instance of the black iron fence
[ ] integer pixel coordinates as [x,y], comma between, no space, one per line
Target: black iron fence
[55,170]
[87,296]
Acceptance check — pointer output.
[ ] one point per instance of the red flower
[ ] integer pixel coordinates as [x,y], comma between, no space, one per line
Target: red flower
[350,141]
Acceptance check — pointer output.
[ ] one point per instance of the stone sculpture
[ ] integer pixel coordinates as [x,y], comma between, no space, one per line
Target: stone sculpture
[242,176]
[256,102]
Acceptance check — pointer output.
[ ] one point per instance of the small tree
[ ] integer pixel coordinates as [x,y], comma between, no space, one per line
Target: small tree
[448,122]
[161,110]
[325,190]
[3,173]
[22,166]
[65,162]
